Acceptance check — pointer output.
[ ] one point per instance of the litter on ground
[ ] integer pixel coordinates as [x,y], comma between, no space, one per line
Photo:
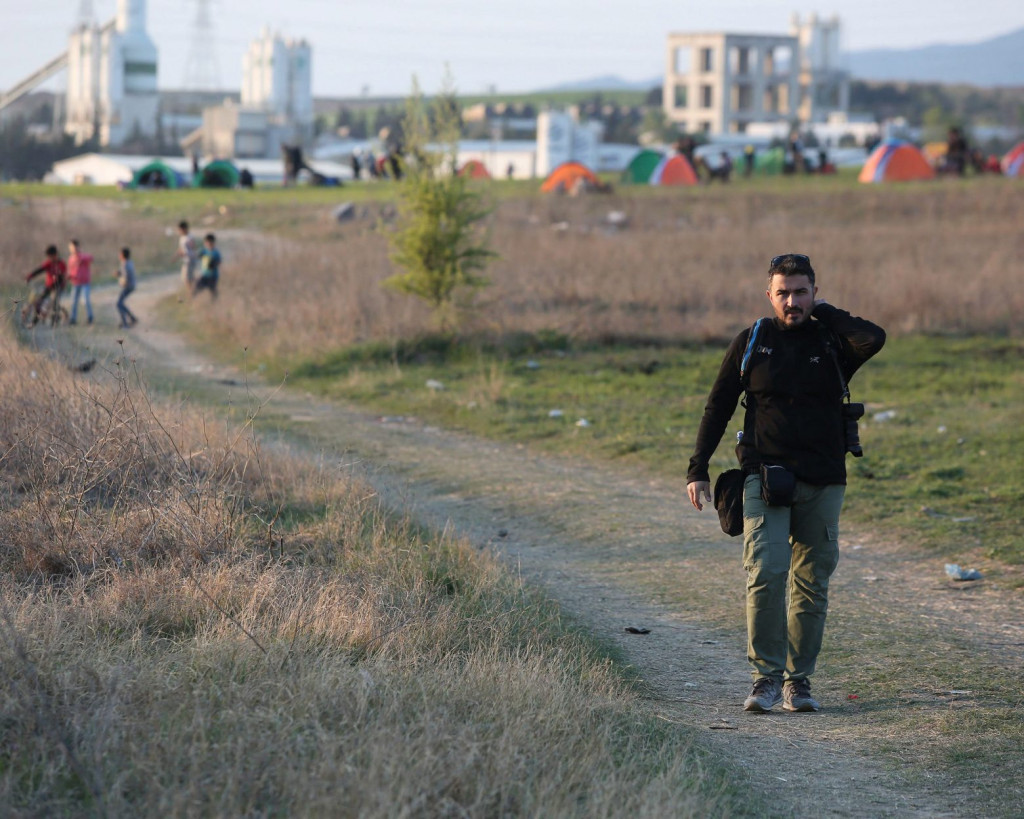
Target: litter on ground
[956,573]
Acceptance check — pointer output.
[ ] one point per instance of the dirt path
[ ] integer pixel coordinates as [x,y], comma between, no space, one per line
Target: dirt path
[620,549]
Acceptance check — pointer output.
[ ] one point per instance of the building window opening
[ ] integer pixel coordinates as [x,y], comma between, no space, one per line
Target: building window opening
[739,60]
[683,60]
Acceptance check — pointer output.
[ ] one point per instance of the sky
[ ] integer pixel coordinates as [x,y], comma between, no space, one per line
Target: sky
[375,47]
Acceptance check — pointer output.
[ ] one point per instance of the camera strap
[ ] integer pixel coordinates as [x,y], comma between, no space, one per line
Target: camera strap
[831,347]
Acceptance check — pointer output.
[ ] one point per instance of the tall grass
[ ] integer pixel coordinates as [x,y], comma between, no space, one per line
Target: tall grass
[689,266]
[28,225]
[190,626]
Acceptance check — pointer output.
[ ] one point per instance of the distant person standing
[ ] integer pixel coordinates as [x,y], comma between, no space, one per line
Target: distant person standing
[126,278]
[210,259]
[749,158]
[80,276]
[188,253]
[956,152]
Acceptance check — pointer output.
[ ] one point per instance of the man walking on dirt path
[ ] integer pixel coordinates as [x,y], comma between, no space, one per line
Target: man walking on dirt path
[792,450]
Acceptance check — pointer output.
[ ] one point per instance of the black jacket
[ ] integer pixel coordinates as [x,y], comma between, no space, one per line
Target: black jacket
[793,416]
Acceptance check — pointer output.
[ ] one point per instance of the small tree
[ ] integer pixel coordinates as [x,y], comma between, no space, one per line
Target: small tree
[439,242]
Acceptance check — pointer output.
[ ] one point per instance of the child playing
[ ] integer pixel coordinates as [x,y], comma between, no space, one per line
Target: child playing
[56,272]
[80,276]
[126,278]
[209,258]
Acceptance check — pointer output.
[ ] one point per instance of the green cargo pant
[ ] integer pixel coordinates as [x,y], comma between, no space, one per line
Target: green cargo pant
[790,549]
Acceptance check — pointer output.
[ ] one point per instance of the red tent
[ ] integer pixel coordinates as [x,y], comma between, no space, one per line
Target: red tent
[896,161]
[1013,162]
[674,170]
[474,169]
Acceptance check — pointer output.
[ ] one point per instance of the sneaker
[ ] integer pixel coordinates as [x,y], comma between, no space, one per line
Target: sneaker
[765,696]
[796,696]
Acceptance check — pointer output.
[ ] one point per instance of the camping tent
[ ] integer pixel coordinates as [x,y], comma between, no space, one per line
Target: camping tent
[640,168]
[771,161]
[156,174]
[674,170]
[896,161]
[567,175]
[474,169]
[1013,162]
[217,174]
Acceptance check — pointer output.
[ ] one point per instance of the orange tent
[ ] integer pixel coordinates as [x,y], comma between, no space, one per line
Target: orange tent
[674,170]
[566,176]
[474,169]
[896,161]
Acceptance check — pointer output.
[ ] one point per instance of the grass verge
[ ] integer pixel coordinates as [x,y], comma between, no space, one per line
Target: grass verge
[190,626]
[944,425]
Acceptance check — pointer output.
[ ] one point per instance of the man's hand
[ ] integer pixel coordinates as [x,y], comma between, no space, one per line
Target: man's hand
[696,490]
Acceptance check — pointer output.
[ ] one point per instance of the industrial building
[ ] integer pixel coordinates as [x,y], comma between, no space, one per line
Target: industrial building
[720,83]
[112,72]
[112,94]
[276,105]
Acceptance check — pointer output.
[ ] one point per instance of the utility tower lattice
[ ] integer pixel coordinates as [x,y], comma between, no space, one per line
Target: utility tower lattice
[85,13]
[202,71]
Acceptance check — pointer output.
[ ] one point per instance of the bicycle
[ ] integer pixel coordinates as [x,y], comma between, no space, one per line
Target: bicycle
[47,313]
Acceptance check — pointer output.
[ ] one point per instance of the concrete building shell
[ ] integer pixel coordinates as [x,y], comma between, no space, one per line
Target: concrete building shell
[720,82]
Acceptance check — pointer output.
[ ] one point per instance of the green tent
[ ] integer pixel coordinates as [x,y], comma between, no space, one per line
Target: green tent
[770,162]
[640,168]
[217,174]
[156,174]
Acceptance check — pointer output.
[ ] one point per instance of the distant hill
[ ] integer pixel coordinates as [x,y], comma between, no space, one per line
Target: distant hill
[990,63]
[608,82]
[995,62]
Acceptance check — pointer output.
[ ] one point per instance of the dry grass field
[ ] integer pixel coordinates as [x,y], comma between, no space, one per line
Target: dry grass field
[944,258]
[190,626]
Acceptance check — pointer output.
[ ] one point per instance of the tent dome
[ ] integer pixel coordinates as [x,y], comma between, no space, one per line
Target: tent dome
[641,166]
[217,174]
[674,170]
[1013,162]
[567,175]
[896,161]
[156,174]
[474,169]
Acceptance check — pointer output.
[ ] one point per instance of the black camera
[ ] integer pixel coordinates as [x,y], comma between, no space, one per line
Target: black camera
[851,414]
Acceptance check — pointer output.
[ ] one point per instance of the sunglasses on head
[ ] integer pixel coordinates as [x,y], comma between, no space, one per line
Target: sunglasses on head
[800,257]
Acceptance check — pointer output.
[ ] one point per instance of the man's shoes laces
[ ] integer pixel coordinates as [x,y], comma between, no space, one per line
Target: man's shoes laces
[765,696]
[796,696]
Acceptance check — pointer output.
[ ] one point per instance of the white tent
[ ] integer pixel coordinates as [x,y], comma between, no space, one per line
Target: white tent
[112,169]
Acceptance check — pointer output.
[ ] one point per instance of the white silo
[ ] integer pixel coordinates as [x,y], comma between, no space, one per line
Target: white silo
[129,101]
[277,79]
[82,97]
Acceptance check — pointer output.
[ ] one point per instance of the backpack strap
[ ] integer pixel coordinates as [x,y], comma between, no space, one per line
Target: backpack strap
[751,341]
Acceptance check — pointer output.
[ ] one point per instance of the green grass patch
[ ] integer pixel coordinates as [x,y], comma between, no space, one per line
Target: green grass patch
[945,419]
